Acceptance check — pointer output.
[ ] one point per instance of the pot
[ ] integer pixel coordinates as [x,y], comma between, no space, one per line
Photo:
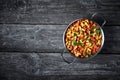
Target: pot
[100,21]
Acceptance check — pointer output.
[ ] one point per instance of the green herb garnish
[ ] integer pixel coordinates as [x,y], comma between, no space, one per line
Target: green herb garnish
[85,52]
[74,42]
[89,40]
[75,34]
[80,43]
[98,31]
[87,34]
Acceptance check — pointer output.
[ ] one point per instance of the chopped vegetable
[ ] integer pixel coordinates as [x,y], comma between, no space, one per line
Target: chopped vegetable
[74,42]
[87,34]
[80,43]
[89,40]
[98,31]
[75,34]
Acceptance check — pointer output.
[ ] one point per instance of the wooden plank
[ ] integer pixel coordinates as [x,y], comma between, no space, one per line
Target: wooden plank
[57,11]
[63,77]
[36,65]
[47,38]
[91,77]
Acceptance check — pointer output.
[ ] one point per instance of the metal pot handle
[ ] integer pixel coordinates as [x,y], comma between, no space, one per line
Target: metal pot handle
[97,17]
[69,62]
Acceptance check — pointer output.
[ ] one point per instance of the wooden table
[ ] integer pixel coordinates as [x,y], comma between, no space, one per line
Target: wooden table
[31,40]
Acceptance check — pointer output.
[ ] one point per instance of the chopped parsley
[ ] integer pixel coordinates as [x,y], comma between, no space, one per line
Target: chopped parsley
[87,34]
[80,43]
[98,31]
[89,40]
[75,34]
[74,42]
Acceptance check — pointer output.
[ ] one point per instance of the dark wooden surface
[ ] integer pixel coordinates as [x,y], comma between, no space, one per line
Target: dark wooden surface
[51,64]
[48,38]
[31,40]
[57,12]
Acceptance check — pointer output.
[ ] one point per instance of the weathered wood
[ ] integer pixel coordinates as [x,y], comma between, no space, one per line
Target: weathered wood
[23,65]
[37,26]
[57,11]
[78,77]
[47,38]
[62,77]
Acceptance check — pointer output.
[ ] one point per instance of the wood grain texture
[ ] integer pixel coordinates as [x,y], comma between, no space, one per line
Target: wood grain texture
[47,38]
[31,40]
[62,77]
[57,11]
[35,65]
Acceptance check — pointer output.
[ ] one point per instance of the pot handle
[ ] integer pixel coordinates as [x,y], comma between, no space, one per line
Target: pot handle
[67,61]
[97,17]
